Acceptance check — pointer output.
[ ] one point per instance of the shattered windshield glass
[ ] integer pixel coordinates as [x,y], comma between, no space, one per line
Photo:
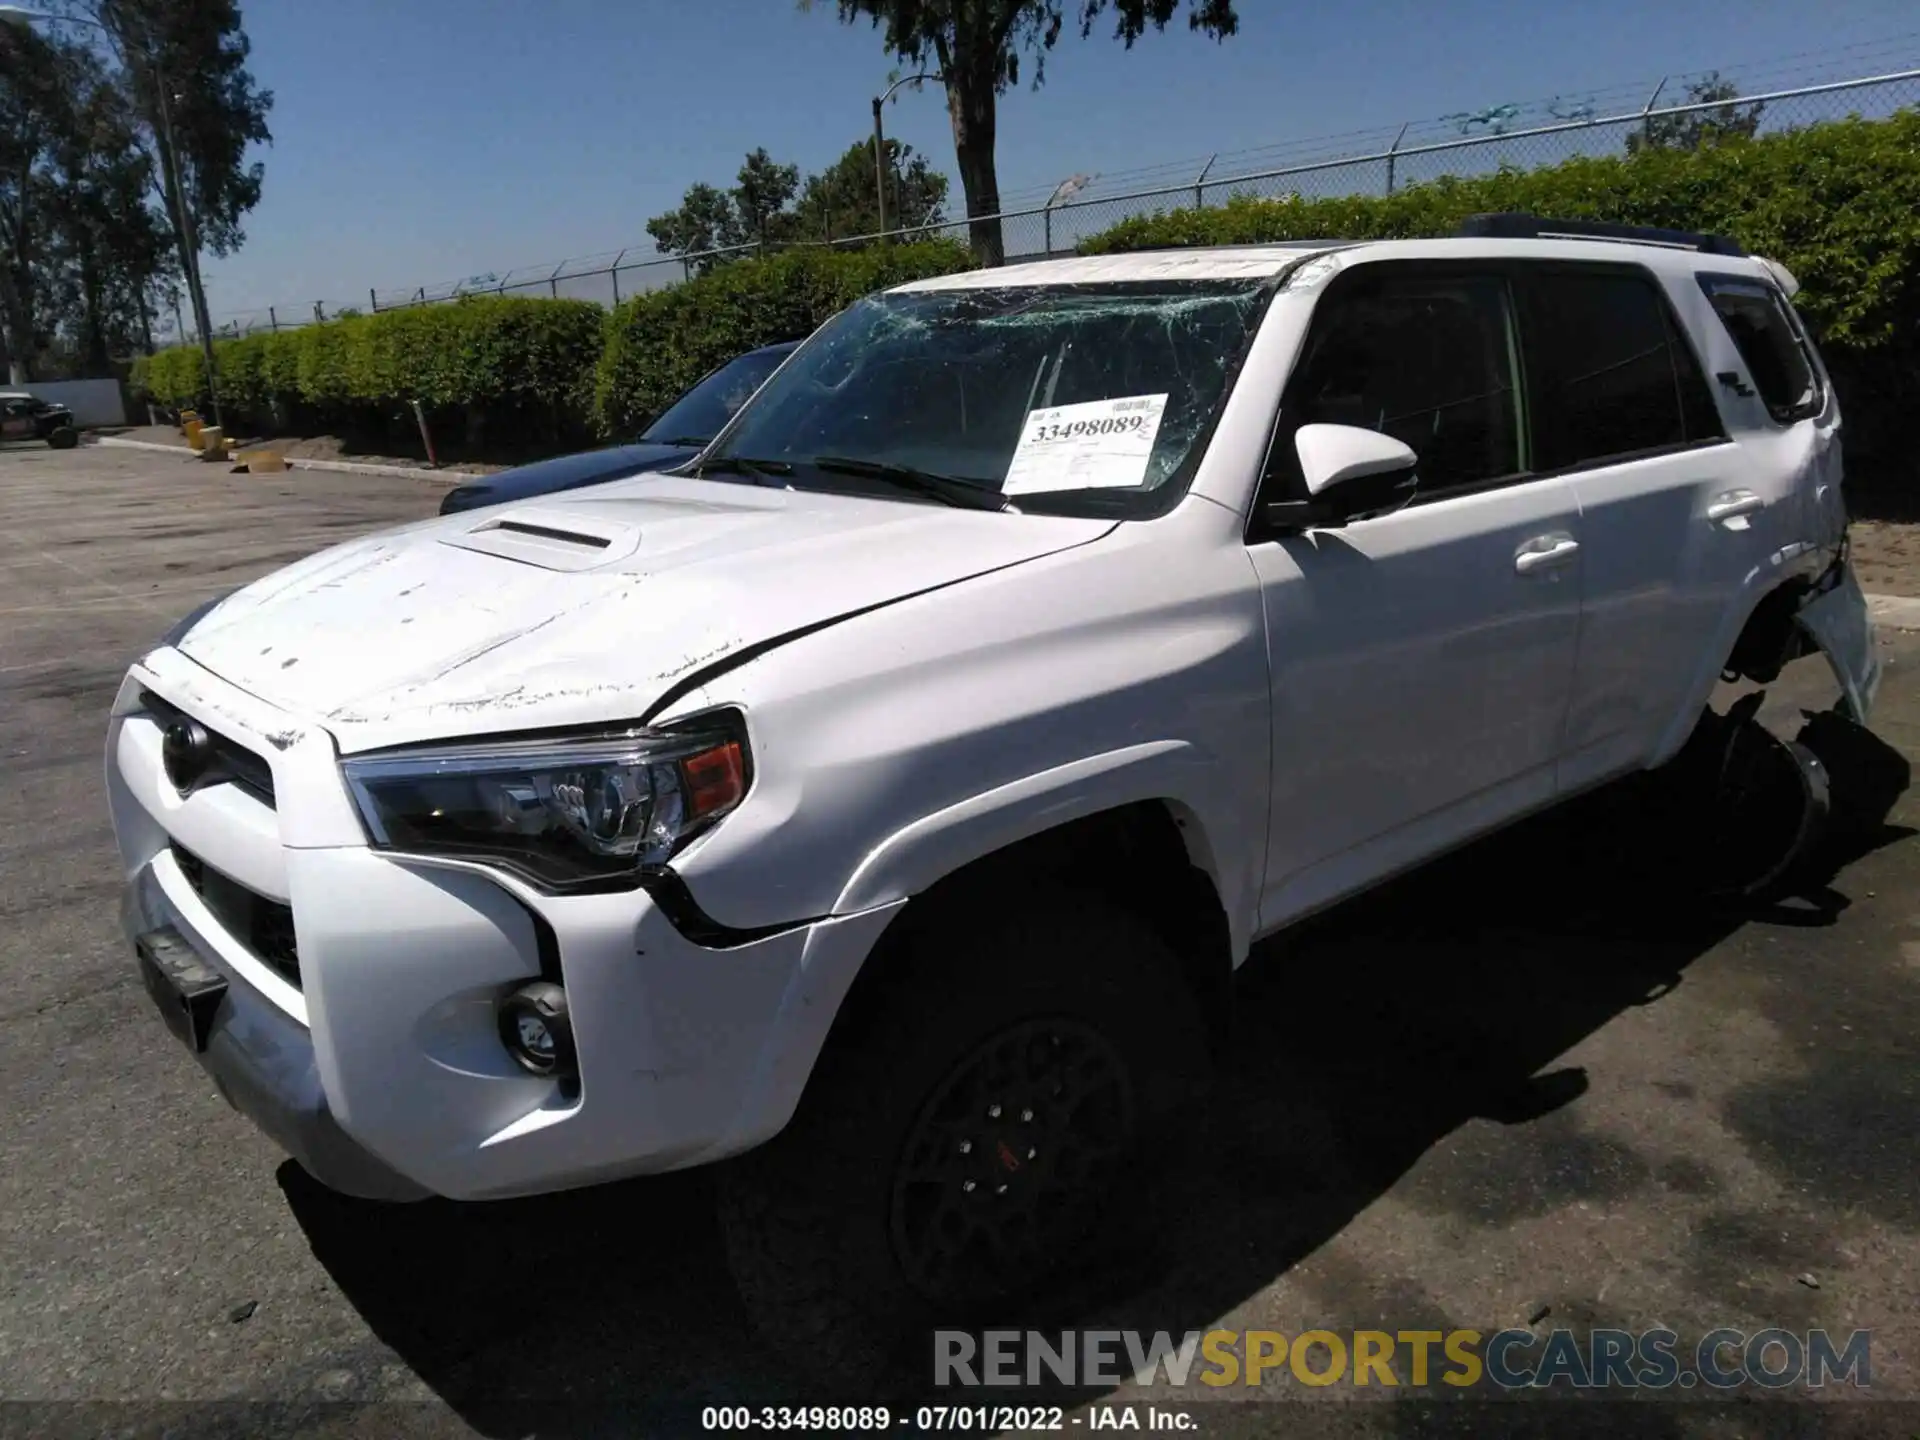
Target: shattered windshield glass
[1075,399]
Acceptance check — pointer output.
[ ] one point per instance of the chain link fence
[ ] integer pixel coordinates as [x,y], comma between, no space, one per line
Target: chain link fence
[1372,162]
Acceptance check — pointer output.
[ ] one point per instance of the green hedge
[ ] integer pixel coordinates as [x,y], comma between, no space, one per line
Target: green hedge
[489,354]
[660,343]
[1838,204]
[566,360]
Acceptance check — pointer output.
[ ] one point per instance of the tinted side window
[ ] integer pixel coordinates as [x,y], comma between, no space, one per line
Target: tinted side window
[1425,360]
[696,417]
[1766,340]
[1698,414]
[1605,370]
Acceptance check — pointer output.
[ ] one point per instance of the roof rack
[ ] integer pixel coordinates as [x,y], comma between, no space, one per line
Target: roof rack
[1512,226]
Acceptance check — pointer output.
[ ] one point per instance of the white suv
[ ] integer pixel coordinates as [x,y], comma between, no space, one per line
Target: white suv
[887,796]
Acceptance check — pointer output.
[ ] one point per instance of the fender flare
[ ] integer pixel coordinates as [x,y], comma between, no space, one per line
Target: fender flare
[1171,772]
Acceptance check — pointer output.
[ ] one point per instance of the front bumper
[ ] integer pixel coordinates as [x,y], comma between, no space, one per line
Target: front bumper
[261,1060]
[376,1061]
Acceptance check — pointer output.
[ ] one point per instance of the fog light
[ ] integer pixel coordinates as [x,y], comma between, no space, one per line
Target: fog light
[535,1028]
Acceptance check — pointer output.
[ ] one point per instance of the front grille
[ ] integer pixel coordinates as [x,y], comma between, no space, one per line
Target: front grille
[264,926]
[232,761]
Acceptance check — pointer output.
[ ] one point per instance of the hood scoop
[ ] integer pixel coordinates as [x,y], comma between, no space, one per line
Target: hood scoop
[552,539]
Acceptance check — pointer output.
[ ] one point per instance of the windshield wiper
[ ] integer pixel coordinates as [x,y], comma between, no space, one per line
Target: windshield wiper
[961,494]
[741,465]
[699,442]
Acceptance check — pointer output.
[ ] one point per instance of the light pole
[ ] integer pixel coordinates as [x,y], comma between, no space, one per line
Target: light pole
[880,140]
[189,244]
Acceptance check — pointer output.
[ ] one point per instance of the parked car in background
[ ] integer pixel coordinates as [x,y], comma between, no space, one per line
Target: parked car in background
[681,432]
[26,417]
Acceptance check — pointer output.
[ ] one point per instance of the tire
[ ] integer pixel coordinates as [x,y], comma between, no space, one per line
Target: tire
[65,438]
[1755,806]
[1868,775]
[843,1231]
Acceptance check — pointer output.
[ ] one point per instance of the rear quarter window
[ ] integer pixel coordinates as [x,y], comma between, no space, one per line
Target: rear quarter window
[1771,345]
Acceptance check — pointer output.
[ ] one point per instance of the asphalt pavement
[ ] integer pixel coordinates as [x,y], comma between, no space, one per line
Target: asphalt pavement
[1534,1085]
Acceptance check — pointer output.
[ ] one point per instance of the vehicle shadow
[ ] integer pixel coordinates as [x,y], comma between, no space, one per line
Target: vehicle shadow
[1362,1039]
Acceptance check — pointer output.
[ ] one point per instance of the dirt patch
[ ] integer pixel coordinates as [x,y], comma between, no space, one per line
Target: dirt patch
[1886,555]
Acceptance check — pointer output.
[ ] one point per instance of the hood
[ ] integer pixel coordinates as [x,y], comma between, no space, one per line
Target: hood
[567,472]
[582,610]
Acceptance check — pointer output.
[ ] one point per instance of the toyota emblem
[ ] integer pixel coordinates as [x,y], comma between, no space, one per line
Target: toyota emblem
[186,753]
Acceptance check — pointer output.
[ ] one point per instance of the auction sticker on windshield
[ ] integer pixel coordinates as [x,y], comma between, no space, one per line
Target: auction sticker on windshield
[1103,444]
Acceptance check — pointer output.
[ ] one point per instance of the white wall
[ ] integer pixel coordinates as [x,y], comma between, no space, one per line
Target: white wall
[93,402]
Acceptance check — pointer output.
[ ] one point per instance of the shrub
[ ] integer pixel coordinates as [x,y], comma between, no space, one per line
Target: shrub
[554,363]
[491,354]
[1838,204]
[660,343]
[176,377]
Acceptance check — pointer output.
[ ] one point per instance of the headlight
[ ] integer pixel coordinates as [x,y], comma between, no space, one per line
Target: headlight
[560,810]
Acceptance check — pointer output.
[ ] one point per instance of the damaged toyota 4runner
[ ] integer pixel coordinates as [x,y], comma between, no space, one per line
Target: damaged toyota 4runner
[882,801]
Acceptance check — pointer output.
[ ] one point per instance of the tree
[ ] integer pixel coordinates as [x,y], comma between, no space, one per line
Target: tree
[704,223]
[840,200]
[201,127]
[761,196]
[89,154]
[976,45]
[759,210]
[108,246]
[35,111]
[217,111]
[1695,128]
[753,212]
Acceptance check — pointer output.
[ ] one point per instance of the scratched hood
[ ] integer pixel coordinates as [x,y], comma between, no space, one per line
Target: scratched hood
[582,609]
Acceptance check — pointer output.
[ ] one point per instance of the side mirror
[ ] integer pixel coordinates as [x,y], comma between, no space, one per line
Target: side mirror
[1333,455]
[1348,471]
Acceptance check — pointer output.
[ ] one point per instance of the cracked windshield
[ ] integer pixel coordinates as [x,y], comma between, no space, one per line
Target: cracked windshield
[1077,400]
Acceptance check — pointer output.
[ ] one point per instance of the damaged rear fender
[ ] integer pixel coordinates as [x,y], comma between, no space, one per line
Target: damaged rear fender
[1760,633]
[1835,620]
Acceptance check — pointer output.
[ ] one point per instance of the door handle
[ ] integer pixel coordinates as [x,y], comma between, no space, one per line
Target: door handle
[1727,505]
[1545,553]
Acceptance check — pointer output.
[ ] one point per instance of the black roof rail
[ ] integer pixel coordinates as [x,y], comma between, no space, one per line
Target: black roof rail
[1512,226]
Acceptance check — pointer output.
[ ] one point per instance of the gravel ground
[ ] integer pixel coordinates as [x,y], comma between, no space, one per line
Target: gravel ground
[1519,1087]
[1886,554]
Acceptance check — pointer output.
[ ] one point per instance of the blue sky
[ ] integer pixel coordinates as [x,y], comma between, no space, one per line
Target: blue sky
[418,141]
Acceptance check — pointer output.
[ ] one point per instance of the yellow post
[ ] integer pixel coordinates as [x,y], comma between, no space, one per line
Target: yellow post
[193,431]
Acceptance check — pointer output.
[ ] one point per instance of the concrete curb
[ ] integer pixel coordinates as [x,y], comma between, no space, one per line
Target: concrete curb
[344,467]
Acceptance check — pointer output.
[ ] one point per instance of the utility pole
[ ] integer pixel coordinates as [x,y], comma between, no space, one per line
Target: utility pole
[880,142]
[879,165]
[189,242]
